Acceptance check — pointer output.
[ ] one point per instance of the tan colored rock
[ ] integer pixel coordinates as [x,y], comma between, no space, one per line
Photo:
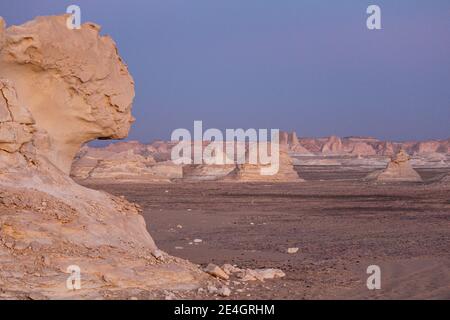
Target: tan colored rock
[386,149]
[426,147]
[260,274]
[230,269]
[398,169]
[333,146]
[362,149]
[220,167]
[70,73]
[62,88]
[284,138]
[292,250]
[216,271]
[122,162]
[13,135]
[300,150]
[293,139]
[252,172]
[224,291]
[206,172]
[5,115]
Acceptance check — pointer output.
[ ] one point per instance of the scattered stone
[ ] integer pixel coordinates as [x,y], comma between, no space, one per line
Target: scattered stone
[224,292]
[170,296]
[198,240]
[292,250]
[158,254]
[260,274]
[212,289]
[229,269]
[216,271]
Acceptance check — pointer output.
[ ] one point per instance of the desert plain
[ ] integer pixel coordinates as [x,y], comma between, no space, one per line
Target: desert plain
[126,222]
[339,223]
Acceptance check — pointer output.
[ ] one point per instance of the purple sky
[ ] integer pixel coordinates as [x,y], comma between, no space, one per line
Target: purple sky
[310,66]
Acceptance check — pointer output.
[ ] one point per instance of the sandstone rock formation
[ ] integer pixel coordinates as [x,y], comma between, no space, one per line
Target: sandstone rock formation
[222,165]
[293,139]
[292,143]
[332,146]
[248,172]
[362,148]
[127,162]
[59,89]
[399,169]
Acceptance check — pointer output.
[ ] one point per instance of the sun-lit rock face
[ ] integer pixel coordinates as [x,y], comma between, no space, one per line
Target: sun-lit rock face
[124,162]
[333,146]
[58,89]
[251,172]
[398,169]
[70,83]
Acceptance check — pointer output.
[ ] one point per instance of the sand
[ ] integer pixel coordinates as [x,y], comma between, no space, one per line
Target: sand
[340,227]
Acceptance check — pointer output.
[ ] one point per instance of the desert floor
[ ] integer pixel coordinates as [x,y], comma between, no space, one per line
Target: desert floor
[341,226]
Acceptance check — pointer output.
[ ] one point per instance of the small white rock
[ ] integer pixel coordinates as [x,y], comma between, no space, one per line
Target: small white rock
[158,254]
[212,289]
[224,291]
[292,250]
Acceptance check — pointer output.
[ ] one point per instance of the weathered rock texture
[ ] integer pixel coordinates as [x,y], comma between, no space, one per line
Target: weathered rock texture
[363,146]
[59,89]
[398,169]
[118,164]
[248,172]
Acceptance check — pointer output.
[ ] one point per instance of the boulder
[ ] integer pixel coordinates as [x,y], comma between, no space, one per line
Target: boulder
[248,172]
[61,88]
[332,146]
[123,163]
[398,169]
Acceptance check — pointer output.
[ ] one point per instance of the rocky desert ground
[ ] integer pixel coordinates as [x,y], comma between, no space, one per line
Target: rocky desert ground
[67,209]
[323,232]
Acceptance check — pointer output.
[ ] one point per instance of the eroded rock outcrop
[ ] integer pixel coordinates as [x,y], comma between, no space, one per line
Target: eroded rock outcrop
[398,169]
[121,164]
[221,165]
[59,89]
[251,172]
